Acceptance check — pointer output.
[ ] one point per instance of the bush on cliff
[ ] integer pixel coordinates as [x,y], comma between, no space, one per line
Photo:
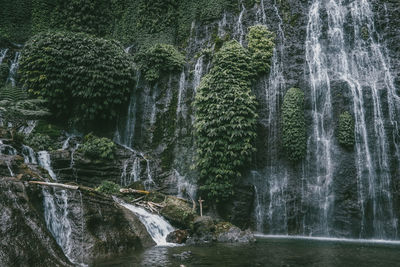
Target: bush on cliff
[81,76]
[293,124]
[225,121]
[261,45]
[97,148]
[346,130]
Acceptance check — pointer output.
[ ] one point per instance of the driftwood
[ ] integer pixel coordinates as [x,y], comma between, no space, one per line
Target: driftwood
[73,187]
[133,191]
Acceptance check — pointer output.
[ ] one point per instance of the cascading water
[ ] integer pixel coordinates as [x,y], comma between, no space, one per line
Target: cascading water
[360,63]
[45,162]
[185,188]
[13,69]
[29,155]
[239,31]
[320,143]
[180,110]
[198,73]
[271,185]
[156,226]
[3,53]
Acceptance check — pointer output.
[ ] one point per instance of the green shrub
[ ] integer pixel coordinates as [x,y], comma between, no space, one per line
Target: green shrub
[39,142]
[80,75]
[225,121]
[4,70]
[159,59]
[12,93]
[261,43]
[53,131]
[293,124]
[97,148]
[346,130]
[108,187]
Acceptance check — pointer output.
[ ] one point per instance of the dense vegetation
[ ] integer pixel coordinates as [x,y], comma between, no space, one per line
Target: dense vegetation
[293,124]
[225,121]
[261,45]
[159,59]
[80,75]
[346,130]
[97,148]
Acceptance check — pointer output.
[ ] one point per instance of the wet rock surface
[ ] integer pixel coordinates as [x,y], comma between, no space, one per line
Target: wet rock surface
[25,240]
[178,236]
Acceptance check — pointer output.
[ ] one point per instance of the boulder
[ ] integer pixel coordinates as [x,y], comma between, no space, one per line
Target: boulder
[228,233]
[178,236]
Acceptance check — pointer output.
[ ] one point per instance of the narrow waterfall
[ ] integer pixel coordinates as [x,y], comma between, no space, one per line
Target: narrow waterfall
[156,226]
[358,61]
[180,110]
[239,31]
[186,189]
[13,69]
[320,143]
[62,224]
[29,155]
[45,162]
[7,149]
[271,185]
[198,73]
[3,53]
[133,175]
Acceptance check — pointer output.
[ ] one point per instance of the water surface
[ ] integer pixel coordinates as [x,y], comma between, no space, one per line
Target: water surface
[268,252]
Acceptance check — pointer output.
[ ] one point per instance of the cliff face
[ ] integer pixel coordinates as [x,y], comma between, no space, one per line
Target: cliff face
[343,55]
[345,58]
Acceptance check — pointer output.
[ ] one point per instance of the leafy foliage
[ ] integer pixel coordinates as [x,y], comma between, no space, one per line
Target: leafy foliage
[39,142]
[15,20]
[108,187]
[293,124]
[53,131]
[159,59]
[225,121]
[346,130]
[97,147]
[78,74]
[261,43]
[4,70]
[12,93]
[16,110]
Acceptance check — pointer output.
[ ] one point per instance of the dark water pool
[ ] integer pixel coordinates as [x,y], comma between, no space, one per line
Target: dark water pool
[267,252]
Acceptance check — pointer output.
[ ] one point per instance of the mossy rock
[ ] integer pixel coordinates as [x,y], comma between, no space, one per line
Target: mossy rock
[178,212]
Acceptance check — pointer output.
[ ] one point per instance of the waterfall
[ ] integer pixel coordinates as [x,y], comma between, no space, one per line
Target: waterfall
[198,73]
[271,185]
[181,96]
[156,226]
[320,143]
[260,13]
[13,69]
[7,149]
[221,26]
[45,162]
[185,188]
[65,144]
[29,155]
[72,163]
[3,53]
[60,222]
[358,61]
[148,183]
[239,31]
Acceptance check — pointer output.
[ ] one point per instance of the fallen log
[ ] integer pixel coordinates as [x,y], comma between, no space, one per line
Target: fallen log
[67,186]
[133,191]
